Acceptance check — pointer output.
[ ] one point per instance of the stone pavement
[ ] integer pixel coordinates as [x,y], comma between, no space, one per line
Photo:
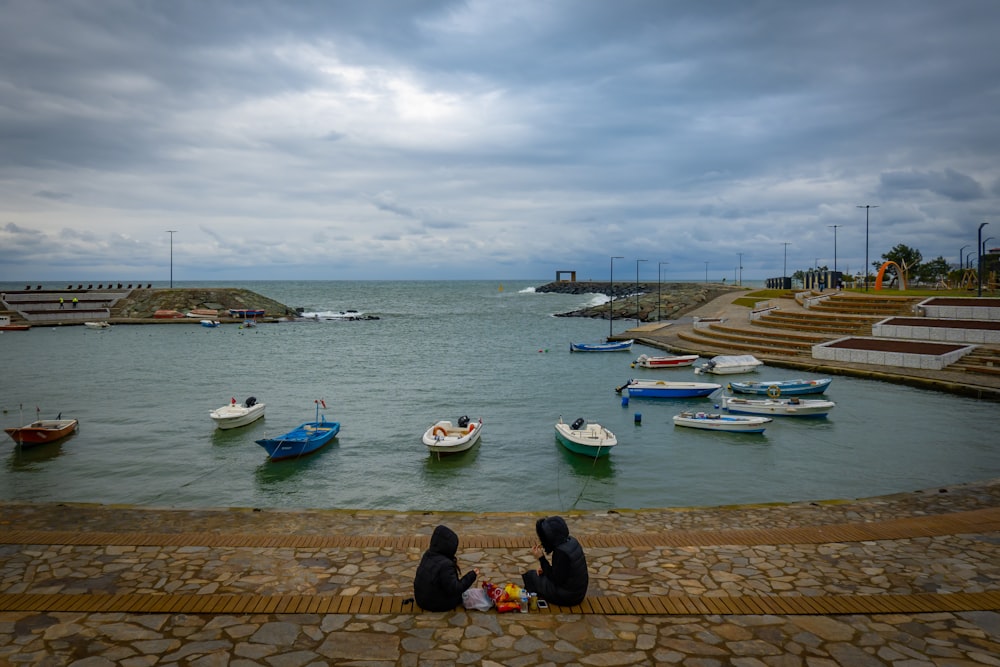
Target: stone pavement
[906,580]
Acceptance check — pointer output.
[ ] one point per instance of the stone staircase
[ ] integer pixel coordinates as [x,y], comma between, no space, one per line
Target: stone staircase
[984,359]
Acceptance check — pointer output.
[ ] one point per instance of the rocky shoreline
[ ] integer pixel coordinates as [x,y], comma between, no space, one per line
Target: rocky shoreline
[655,302]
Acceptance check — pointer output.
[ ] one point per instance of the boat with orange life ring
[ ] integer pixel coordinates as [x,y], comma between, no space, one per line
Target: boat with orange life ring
[445,437]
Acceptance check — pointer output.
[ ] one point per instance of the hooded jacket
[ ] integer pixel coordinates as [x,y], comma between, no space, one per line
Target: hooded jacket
[437,585]
[565,580]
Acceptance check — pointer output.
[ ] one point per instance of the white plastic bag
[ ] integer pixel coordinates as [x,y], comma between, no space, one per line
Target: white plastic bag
[476,598]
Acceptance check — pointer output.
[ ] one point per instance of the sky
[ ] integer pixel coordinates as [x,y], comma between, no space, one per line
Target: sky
[440,139]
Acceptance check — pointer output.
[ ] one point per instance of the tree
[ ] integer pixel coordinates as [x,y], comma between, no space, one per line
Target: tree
[908,259]
[932,271]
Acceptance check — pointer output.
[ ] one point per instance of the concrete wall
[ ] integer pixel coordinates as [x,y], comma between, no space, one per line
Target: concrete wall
[936,334]
[880,358]
[970,312]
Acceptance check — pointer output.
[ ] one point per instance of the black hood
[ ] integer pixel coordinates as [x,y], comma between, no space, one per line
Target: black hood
[552,531]
[444,541]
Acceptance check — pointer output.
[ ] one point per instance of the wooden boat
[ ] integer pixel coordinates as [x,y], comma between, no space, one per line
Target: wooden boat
[730,364]
[42,431]
[663,389]
[646,361]
[776,388]
[165,314]
[778,407]
[715,422]
[303,439]
[617,346]
[588,439]
[235,415]
[97,325]
[446,438]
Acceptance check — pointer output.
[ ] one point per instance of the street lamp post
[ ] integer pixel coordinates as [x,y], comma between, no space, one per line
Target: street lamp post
[171,232]
[706,272]
[611,303]
[834,246]
[866,207]
[961,262]
[659,290]
[739,281]
[784,267]
[982,248]
[637,290]
[979,262]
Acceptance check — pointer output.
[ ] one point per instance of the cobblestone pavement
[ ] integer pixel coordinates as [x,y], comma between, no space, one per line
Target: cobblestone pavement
[915,545]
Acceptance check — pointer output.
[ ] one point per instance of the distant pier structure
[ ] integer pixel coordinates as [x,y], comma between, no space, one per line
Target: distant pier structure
[561,279]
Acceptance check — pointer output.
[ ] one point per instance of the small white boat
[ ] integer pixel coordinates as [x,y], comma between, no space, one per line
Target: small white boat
[97,325]
[715,422]
[235,415]
[778,407]
[587,439]
[211,324]
[730,365]
[646,361]
[446,438]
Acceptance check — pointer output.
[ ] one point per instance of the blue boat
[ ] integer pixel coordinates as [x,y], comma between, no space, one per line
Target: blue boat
[776,388]
[617,346]
[304,439]
[211,324]
[664,389]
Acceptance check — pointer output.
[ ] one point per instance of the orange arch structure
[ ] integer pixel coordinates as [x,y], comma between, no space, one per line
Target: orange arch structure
[881,273]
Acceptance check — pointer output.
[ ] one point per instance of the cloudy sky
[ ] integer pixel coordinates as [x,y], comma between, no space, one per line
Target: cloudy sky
[427,139]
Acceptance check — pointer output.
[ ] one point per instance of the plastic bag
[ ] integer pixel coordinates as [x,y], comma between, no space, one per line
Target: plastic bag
[477,598]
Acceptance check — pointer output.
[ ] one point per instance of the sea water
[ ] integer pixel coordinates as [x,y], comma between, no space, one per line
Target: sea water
[439,350]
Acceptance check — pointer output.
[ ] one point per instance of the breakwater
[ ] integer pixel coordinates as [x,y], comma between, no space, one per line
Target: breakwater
[647,302]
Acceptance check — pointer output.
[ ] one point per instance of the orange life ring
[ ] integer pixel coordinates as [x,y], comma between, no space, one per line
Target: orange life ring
[773,391]
[440,430]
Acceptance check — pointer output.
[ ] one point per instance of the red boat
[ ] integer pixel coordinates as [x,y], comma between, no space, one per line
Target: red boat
[664,362]
[42,431]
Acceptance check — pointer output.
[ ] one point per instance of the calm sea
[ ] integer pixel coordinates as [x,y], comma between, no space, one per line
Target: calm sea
[439,350]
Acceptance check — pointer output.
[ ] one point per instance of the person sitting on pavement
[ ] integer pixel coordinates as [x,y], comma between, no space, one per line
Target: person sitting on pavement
[439,584]
[564,581]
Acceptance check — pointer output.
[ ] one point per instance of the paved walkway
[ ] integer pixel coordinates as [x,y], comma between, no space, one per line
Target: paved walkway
[907,580]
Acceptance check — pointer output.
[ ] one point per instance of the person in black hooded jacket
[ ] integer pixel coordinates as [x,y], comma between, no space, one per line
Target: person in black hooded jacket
[564,581]
[439,584]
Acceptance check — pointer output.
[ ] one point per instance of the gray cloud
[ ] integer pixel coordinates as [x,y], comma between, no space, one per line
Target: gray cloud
[561,132]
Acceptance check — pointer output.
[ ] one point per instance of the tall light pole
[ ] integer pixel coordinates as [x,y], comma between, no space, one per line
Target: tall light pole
[637,290]
[659,290]
[834,246]
[982,248]
[706,272]
[961,262]
[739,282]
[979,262]
[866,207]
[784,267]
[611,304]
[171,232]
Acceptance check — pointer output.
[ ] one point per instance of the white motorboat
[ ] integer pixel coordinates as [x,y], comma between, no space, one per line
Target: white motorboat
[235,415]
[716,422]
[97,325]
[730,364]
[778,407]
[646,361]
[444,437]
[588,439]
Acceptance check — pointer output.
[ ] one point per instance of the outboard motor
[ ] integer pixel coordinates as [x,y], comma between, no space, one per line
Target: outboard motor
[250,402]
[577,424]
[463,421]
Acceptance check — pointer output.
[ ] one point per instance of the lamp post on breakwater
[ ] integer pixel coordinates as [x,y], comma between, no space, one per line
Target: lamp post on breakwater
[171,232]
[637,290]
[739,282]
[979,261]
[611,297]
[659,290]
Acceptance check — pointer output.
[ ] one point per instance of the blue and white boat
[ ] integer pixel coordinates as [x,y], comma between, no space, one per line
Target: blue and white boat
[616,346]
[211,324]
[776,388]
[664,389]
[304,439]
[587,439]
[715,422]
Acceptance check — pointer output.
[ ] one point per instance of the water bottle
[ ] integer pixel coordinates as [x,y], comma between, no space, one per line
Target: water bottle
[524,601]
